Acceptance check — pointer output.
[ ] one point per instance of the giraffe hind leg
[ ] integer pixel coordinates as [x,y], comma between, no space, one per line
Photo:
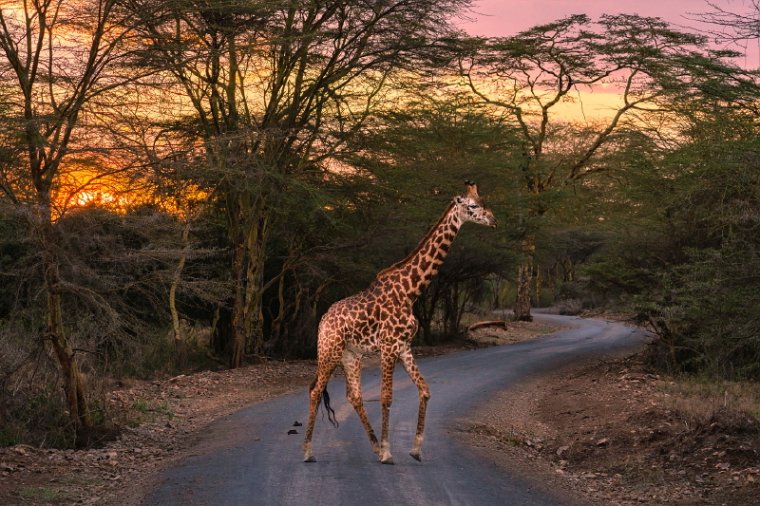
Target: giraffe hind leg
[316,391]
[352,366]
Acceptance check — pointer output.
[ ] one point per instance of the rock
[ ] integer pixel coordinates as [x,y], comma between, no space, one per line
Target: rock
[603,442]
[562,450]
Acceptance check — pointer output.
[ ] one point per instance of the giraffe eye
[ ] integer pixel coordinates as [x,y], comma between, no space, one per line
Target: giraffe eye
[473,206]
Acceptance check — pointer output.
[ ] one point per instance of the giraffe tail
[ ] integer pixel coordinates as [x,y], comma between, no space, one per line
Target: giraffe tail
[330,410]
[325,397]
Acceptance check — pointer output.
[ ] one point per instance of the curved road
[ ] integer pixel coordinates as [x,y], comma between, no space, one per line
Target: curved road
[248,458]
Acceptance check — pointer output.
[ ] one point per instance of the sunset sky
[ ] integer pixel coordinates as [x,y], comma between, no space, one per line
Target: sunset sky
[506,17]
[493,18]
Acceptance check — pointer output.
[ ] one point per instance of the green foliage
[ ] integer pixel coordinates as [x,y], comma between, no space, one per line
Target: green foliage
[709,304]
[689,257]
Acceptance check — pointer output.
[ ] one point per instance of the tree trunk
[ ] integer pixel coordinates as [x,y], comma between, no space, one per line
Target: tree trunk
[424,309]
[176,278]
[248,271]
[73,383]
[524,281]
[451,310]
[254,285]
[221,330]
[278,322]
[238,326]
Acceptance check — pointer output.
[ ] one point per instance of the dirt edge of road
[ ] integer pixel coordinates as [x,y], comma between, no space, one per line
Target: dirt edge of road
[611,432]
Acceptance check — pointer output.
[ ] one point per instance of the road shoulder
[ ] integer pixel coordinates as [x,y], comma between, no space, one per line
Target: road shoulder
[611,432]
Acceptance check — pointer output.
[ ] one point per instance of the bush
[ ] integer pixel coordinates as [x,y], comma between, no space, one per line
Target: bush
[707,306]
[709,316]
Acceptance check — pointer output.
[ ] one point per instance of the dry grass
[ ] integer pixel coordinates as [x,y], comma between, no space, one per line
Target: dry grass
[702,399]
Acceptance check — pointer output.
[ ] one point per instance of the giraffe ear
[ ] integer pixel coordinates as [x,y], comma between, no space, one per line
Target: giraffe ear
[472,189]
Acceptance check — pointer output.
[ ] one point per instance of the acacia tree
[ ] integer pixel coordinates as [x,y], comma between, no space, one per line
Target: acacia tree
[528,76]
[274,90]
[57,57]
[736,27]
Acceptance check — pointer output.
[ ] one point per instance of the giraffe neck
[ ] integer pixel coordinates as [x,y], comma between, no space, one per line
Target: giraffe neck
[419,268]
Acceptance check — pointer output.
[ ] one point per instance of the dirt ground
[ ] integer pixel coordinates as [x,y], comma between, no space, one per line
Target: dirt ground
[167,417]
[608,432]
[613,433]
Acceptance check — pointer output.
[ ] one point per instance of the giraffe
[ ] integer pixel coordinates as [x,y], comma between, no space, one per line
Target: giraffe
[380,320]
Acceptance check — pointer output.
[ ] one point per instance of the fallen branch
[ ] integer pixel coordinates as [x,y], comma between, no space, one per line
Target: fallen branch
[488,323]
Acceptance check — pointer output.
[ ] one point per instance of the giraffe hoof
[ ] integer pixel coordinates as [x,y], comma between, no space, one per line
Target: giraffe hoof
[309,458]
[416,456]
[388,460]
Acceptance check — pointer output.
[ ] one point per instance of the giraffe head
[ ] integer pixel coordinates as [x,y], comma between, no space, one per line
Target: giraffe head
[471,207]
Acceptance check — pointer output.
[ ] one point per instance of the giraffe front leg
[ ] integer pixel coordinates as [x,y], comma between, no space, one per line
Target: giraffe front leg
[410,365]
[386,398]
[416,451]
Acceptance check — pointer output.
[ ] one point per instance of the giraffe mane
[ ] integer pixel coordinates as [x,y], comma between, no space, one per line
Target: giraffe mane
[417,249]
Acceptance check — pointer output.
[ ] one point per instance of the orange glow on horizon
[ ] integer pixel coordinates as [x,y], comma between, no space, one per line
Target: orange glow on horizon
[82,187]
[98,198]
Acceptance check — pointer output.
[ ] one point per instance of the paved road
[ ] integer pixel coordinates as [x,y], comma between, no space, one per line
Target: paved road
[249,459]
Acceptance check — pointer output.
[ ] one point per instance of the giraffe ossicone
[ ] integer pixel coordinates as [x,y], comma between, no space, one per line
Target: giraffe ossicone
[380,319]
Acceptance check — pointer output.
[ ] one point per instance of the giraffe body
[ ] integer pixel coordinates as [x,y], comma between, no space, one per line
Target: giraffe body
[380,320]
